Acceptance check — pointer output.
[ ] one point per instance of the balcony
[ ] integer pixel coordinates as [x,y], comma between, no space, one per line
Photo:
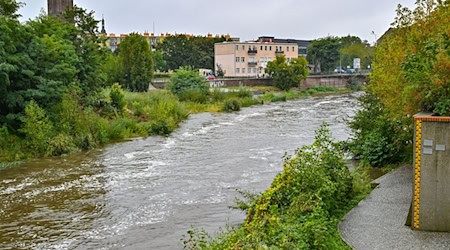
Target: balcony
[252,64]
[279,52]
[252,51]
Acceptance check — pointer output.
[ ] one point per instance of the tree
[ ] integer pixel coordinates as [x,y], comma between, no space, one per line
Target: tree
[42,58]
[287,75]
[9,8]
[354,47]
[136,62]
[182,50]
[324,54]
[412,64]
[187,79]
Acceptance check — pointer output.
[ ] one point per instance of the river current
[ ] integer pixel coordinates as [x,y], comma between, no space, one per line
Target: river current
[146,193]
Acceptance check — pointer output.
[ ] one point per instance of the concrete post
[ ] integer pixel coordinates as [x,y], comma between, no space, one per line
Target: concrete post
[431,193]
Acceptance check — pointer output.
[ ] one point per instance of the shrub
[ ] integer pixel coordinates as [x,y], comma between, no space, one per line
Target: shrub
[280,98]
[231,105]
[61,144]
[303,205]
[287,75]
[193,95]
[185,79]
[117,97]
[217,95]
[37,128]
[376,138]
[244,93]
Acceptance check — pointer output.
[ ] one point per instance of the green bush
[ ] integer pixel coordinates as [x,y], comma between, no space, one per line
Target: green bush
[217,95]
[377,139]
[117,97]
[37,128]
[61,144]
[187,79]
[243,93]
[160,128]
[302,207]
[442,107]
[193,95]
[280,98]
[231,105]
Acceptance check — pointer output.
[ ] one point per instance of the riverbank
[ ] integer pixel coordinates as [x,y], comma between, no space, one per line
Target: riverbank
[74,128]
[303,206]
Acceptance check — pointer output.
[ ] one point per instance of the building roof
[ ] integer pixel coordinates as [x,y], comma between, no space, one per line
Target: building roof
[300,43]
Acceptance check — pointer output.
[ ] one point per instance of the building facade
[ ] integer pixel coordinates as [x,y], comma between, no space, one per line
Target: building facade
[56,7]
[302,44]
[249,59]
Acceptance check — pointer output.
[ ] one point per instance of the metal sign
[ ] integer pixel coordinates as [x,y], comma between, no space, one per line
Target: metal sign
[356,63]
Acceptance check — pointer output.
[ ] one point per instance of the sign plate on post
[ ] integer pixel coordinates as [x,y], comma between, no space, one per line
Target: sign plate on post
[356,63]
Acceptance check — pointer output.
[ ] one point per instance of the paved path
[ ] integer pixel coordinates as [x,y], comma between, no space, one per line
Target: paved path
[378,222]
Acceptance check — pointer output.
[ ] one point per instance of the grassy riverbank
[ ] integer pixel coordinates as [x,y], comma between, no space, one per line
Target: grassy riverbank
[302,207]
[71,127]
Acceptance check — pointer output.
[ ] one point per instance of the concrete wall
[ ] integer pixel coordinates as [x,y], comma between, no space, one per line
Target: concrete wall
[331,81]
[339,81]
[431,200]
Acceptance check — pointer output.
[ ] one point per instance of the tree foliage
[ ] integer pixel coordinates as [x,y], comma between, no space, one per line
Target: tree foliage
[287,75]
[9,8]
[42,58]
[324,54]
[136,62]
[182,50]
[188,85]
[412,64]
[411,73]
[329,52]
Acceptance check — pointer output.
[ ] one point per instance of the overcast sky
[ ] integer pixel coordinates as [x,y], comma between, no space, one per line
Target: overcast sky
[247,19]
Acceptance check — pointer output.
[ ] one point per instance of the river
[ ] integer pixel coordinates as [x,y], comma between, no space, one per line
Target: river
[146,193]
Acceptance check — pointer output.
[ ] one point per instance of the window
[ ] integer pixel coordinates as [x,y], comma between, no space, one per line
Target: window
[238,59]
[242,59]
[287,48]
[265,47]
[251,59]
[243,70]
[293,49]
[238,70]
[237,47]
[249,70]
[261,47]
[243,47]
[254,70]
[270,48]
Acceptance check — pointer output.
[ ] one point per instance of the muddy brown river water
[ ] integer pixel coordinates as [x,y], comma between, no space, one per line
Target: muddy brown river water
[146,193]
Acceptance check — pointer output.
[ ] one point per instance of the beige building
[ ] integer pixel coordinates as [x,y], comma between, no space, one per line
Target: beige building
[249,59]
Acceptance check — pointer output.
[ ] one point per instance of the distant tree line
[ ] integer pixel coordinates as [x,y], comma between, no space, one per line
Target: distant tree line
[325,54]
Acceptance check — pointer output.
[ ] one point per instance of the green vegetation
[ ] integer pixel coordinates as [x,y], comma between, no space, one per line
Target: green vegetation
[183,51]
[410,74]
[287,75]
[302,207]
[188,85]
[135,62]
[329,52]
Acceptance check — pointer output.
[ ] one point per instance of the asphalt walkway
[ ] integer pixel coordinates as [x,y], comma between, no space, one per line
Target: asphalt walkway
[378,222]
